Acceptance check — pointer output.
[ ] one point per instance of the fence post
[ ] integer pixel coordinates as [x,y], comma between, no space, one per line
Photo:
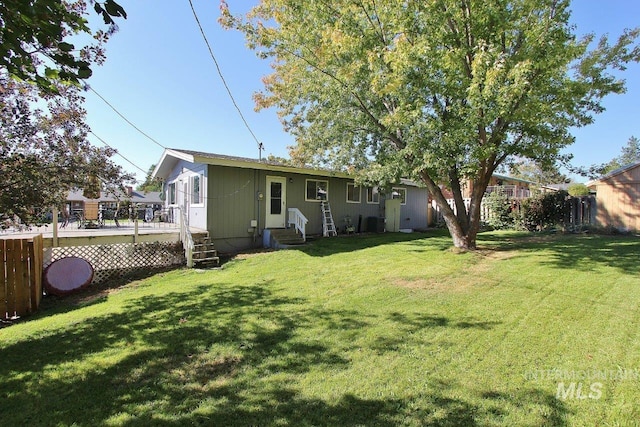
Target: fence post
[23,291]
[55,226]
[11,278]
[36,255]
[3,280]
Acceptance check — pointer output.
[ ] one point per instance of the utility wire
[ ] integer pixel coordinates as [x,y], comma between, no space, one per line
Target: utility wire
[125,119]
[178,190]
[224,82]
[118,153]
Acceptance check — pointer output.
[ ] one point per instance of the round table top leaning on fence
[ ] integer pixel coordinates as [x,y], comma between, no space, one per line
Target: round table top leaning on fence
[67,275]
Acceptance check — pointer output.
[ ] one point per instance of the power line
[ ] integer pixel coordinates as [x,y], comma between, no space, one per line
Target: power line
[124,118]
[224,82]
[118,153]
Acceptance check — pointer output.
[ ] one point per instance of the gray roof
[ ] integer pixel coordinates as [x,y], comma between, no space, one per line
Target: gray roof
[170,158]
[150,197]
[614,173]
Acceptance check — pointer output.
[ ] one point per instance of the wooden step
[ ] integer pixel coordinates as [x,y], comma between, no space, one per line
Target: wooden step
[286,236]
[212,259]
[204,254]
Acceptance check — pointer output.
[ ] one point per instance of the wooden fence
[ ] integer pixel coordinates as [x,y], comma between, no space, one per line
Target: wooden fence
[21,280]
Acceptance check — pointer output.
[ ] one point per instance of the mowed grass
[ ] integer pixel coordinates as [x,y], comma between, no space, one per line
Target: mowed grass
[383,330]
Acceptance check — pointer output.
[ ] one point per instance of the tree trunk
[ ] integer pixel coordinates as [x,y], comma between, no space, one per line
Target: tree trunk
[463,233]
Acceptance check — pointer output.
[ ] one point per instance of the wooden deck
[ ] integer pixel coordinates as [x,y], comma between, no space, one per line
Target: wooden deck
[71,235]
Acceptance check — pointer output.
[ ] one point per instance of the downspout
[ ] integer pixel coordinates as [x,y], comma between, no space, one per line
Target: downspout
[256,188]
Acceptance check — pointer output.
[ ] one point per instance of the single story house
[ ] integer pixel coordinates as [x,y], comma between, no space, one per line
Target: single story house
[236,199]
[76,201]
[513,187]
[618,198]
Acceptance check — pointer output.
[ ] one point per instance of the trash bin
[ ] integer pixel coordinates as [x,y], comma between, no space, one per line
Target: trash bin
[375,224]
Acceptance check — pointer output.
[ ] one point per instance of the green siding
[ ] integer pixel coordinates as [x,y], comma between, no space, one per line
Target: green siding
[233,203]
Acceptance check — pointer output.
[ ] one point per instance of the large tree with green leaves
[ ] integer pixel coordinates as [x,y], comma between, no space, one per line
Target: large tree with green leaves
[44,150]
[533,171]
[438,91]
[150,184]
[37,41]
[630,153]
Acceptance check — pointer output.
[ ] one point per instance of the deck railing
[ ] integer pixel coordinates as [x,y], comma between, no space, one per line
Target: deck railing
[299,221]
[185,237]
[511,191]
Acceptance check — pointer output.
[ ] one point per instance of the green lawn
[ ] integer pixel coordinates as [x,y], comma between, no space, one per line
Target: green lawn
[390,330]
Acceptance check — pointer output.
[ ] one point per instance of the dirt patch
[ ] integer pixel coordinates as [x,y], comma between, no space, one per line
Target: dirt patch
[497,255]
[464,280]
[250,254]
[436,284]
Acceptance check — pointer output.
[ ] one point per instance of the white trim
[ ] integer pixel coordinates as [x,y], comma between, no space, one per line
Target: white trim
[175,193]
[405,194]
[359,201]
[279,220]
[306,181]
[376,193]
[199,203]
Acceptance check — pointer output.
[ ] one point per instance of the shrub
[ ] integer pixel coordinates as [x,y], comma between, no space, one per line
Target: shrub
[500,210]
[577,190]
[544,211]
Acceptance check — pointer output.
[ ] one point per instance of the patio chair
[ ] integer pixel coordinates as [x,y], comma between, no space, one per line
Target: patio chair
[91,214]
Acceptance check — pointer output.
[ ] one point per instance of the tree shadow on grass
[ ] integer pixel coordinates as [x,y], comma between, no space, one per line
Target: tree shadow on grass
[341,244]
[409,324]
[223,354]
[585,252]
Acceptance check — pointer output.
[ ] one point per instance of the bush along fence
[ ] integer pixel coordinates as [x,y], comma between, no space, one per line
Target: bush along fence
[535,213]
[21,285]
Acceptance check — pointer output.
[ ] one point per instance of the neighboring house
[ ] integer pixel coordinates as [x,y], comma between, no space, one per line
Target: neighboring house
[76,201]
[235,199]
[514,188]
[618,198]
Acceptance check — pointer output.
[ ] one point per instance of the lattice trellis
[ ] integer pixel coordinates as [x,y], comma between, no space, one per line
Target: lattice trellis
[122,259]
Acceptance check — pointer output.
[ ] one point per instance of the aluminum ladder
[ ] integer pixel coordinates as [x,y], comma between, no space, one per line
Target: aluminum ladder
[328,226]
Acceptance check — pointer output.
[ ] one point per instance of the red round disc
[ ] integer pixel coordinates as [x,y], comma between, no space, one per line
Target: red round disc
[67,275]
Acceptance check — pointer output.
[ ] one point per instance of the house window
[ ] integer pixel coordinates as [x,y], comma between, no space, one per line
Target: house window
[353,193]
[317,190]
[172,193]
[373,195]
[196,190]
[399,193]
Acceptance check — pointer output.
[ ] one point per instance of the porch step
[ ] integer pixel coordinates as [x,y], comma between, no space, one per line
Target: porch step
[284,237]
[204,254]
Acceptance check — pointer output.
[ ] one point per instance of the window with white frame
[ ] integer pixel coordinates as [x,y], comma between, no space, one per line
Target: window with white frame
[196,190]
[316,190]
[399,193]
[172,193]
[353,193]
[373,195]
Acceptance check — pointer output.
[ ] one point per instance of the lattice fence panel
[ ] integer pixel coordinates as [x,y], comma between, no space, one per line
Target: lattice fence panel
[122,259]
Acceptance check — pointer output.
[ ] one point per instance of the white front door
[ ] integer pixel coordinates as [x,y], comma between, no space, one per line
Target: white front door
[276,202]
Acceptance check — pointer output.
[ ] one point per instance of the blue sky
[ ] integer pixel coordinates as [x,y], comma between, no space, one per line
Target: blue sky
[160,76]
